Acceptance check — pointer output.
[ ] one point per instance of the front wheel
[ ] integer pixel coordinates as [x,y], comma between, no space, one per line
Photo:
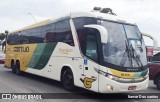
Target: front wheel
[157,82]
[68,80]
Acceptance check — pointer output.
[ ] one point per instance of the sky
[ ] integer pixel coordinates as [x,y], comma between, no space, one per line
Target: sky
[14,14]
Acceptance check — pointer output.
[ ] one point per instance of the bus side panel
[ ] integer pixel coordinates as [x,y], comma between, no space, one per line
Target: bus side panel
[66,56]
[22,53]
[9,56]
[76,65]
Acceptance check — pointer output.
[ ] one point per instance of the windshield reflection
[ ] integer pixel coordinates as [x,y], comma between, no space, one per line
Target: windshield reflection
[125,47]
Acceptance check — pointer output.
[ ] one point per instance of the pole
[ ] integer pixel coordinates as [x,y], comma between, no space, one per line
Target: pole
[32,17]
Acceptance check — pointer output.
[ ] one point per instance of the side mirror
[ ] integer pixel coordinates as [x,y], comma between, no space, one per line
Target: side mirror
[155,42]
[101,29]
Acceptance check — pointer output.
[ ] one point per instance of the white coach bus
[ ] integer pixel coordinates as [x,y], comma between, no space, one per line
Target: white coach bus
[93,50]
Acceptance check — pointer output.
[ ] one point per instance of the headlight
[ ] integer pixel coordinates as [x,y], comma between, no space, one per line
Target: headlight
[112,77]
[108,75]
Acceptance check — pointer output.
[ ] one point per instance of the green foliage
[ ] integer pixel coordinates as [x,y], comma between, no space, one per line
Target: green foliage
[2,36]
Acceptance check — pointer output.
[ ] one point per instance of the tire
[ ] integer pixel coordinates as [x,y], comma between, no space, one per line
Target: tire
[17,68]
[157,82]
[13,67]
[68,80]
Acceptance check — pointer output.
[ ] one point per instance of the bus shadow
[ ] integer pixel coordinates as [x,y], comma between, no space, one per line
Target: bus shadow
[41,79]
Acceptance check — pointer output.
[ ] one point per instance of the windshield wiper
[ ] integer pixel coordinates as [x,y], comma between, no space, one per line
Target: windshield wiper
[124,57]
[135,56]
[131,55]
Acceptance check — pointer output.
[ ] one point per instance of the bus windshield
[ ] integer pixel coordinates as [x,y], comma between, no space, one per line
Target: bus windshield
[125,46]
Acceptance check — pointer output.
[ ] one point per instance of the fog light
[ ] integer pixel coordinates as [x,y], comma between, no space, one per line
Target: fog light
[109,87]
[110,77]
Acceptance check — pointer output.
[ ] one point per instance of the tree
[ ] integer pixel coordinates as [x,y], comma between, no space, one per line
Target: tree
[2,36]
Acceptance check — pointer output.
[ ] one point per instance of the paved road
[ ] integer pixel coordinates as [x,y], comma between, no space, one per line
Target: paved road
[27,83]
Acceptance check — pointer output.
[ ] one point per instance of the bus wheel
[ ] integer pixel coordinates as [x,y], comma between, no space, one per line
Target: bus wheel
[157,82]
[13,67]
[68,80]
[17,68]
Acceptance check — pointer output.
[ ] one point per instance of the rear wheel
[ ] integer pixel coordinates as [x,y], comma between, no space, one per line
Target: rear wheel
[13,67]
[157,82]
[68,80]
[17,68]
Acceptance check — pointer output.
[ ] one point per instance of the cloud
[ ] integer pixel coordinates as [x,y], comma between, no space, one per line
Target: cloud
[14,13]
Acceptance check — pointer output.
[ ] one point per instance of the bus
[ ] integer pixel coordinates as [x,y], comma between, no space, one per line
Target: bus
[92,50]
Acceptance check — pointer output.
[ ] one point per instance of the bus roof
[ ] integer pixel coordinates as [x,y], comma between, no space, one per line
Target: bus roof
[48,21]
[75,15]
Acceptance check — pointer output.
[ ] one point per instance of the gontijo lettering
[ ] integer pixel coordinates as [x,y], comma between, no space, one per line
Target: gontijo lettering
[21,49]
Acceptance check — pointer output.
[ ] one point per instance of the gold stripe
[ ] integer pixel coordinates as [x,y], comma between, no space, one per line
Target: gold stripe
[123,74]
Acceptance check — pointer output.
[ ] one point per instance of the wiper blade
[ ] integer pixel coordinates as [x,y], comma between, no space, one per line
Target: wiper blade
[124,57]
[135,56]
[131,55]
[123,60]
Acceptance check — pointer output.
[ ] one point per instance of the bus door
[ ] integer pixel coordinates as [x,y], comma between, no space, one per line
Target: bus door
[90,61]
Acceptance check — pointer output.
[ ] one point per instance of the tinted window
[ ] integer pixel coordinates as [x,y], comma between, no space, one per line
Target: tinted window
[49,33]
[33,35]
[81,21]
[61,33]
[79,25]
[55,32]
[9,38]
[15,38]
[91,44]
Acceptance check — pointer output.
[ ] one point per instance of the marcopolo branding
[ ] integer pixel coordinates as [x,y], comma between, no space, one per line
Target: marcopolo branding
[21,49]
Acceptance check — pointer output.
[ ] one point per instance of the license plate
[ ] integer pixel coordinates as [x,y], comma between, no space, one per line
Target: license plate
[132,88]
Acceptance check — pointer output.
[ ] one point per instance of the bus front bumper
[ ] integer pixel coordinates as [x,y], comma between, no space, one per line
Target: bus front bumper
[112,86]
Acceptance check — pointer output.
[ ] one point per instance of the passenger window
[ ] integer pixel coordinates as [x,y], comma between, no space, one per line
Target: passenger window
[63,32]
[33,35]
[50,33]
[91,44]
[59,32]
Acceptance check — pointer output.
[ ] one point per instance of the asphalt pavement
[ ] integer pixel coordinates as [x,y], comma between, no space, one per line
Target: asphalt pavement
[28,83]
